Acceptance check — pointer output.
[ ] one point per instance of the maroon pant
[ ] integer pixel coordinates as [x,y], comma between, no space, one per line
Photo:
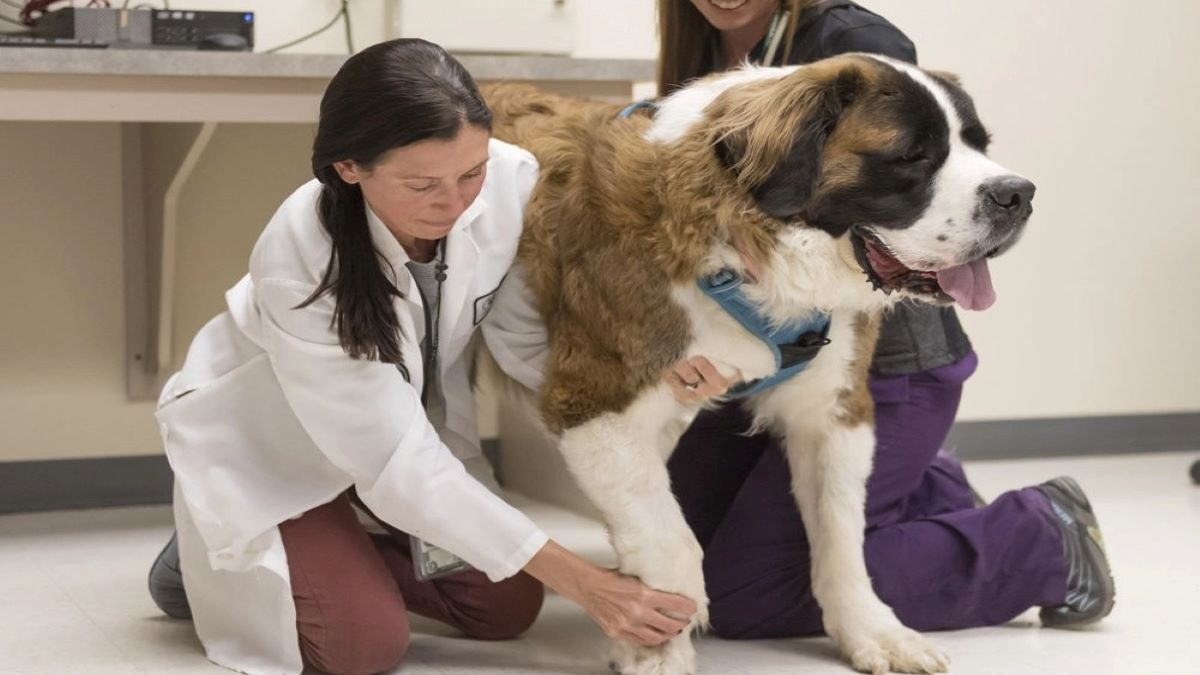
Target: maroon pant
[353,591]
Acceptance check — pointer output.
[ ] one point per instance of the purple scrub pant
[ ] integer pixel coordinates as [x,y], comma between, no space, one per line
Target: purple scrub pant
[935,558]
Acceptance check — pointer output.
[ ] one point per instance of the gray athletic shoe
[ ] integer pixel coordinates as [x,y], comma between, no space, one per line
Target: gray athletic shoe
[1090,589]
[166,582]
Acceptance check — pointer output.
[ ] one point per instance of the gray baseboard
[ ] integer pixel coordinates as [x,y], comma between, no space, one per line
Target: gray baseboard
[130,481]
[58,485]
[1067,436]
[84,483]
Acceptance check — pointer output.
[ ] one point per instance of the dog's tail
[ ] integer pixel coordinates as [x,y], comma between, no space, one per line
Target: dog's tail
[522,113]
[514,99]
[518,107]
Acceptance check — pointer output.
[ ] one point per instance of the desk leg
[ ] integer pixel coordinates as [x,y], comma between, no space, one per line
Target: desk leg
[156,162]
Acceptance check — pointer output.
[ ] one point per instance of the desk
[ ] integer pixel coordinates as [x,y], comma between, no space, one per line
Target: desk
[169,103]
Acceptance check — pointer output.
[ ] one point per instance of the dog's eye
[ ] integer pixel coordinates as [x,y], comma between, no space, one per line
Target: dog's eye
[914,156]
[977,137]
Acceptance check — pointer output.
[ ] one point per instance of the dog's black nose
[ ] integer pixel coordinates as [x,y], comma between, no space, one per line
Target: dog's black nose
[1011,193]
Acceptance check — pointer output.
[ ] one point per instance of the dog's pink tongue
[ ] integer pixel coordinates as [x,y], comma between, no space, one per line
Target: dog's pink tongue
[970,285]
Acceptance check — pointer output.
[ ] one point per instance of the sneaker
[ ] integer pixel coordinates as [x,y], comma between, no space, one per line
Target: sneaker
[1090,589]
[166,582]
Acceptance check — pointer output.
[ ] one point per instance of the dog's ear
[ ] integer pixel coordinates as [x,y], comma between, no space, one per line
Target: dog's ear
[771,134]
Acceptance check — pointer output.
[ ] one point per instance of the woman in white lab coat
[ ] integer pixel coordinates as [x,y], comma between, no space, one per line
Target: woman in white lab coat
[335,389]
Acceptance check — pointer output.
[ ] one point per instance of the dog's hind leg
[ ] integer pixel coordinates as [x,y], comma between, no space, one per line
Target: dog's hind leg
[619,462]
[830,472]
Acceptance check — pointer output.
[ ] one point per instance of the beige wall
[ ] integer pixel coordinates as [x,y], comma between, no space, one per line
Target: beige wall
[1097,306]
[1095,102]
[62,346]
[62,387]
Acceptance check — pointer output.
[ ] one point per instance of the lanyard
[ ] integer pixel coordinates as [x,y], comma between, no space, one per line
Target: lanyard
[774,36]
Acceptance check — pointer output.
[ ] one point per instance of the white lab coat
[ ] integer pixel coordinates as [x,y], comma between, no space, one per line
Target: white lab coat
[269,418]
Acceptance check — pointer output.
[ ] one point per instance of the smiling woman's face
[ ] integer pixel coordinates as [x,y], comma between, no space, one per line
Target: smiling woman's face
[728,15]
[419,190]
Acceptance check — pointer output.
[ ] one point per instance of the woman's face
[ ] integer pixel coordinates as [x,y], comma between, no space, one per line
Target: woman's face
[419,190]
[728,15]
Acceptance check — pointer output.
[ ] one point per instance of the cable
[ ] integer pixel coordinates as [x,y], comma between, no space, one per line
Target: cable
[5,19]
[39,6]
[125,4]
[14,5]
[346,23]
[343,12]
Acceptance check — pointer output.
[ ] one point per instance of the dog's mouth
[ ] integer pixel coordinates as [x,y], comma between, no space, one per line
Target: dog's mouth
[970,284]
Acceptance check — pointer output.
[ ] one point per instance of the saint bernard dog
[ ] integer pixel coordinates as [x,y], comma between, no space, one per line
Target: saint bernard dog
[763,218]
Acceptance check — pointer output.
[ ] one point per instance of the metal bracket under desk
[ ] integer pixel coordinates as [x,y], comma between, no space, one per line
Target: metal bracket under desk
[156,161]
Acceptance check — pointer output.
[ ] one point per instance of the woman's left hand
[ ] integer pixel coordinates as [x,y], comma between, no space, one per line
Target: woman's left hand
[696,380]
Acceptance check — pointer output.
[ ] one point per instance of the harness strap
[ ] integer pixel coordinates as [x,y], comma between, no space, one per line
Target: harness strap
[794,344]
[636,106]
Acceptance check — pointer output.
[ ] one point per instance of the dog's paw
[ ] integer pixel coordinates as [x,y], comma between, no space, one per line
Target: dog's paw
[676,657]
[893,649]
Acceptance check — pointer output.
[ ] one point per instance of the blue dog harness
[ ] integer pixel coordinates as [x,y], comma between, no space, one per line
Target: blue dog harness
[794,344]
[636,106]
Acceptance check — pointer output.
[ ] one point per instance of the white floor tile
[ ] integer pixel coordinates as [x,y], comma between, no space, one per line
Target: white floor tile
[73,597]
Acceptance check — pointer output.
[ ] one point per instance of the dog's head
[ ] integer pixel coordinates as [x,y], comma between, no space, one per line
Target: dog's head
[889,156]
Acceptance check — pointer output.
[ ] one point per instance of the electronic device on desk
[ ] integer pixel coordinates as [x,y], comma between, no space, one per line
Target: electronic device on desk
[150,28]
[30,40]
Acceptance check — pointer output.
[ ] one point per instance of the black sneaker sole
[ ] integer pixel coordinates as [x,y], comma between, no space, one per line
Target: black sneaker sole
[166,582]
[1085,546]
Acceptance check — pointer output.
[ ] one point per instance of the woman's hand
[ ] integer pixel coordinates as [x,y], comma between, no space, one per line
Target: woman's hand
[625,608]
[628,610]
[696,380]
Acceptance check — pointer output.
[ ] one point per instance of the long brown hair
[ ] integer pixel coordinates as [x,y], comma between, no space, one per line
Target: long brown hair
[384,97]
[686,37]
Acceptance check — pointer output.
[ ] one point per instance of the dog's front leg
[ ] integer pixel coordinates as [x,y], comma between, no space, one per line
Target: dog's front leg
[618,463]
[830,474]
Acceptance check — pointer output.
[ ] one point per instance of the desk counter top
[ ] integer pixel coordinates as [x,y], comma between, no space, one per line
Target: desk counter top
[173,63]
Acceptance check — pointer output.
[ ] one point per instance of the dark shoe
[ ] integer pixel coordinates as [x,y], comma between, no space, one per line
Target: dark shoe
[166,582]
[1090,589]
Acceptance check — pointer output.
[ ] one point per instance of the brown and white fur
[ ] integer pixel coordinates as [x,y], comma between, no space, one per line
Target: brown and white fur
[781,169]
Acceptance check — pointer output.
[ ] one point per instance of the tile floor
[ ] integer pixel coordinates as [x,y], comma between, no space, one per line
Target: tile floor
[73,599]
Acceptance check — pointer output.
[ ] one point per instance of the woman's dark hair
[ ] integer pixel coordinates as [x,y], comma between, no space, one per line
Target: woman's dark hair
[386,96]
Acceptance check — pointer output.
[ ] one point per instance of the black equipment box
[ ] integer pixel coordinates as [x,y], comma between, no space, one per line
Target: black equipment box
[150,28]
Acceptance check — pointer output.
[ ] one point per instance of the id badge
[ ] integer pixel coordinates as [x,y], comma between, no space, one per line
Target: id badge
[431,562]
